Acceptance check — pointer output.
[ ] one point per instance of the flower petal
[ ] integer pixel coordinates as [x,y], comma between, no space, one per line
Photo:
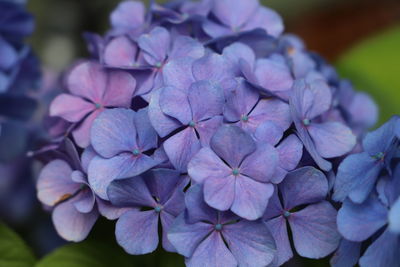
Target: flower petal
[137,231]
[181,147]
[114,132]
[357,222]
[54,183]
[70,108]
[120,52]
[346,255]
[303,186]
[206,164]
[250,242]
[232,144]
[196,208]
[178,73]
[268,132]
[314,230]
[82,133]
[128,15]
[146,135]
[71,224]
[212,252]
[394,217]
[186,237]
[109,211]
[278,229]
[184,46]
[219,193]
[270,110]
[332,139]
[273,73]
[206,129]
[234,13]
[267,19]
[251,198]
[120,90]
[174,102]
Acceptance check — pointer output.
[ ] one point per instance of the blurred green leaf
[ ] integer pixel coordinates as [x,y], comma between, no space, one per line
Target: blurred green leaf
[374,66]
[100,254]
[13,251]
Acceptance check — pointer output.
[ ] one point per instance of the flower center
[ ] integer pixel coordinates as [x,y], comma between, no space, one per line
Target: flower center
[286,213]
[218,227]
[158,65]
[235,172]
[192,124]
[136,152]
[97,105]
[379,156]
[158,209]
[245,118]
[306,122]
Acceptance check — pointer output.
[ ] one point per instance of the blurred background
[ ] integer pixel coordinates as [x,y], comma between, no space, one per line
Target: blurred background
[360,37]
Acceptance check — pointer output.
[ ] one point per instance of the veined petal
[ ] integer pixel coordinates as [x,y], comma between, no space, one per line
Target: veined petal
[70,108]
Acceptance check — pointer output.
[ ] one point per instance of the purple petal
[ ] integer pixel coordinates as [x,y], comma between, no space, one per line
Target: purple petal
[128,15]
[268,132]
[250,242]
[71,224]
[87,155]
[267,19]
[357,222]
[70,108]
[197,210]
[215,30]
[332,139]
[356,176]
[234,13]
[206,164]
[206,100]
[132,192]
[321,95]
[303,186]
[278,229]
[82,133]
[114,132]
[384,251]
[120,52]
[232,144]
[237,51]
[363,110]
[109,211]
[211,67]
[314,230]
[178,73]
[269,110]
[394,217]
[184,46]
[181,147]
[146,135]
[187,237]
[240,101]
[274,207]
[219,192]
[103,171]
[273,74]
[251,198]
[89,80]
[162,123]
[162,183]
[54,183]
[137,231]
[120,89]
[85,200]
[212,252]
[9,56]
[155,44]
[261,164]
[174,102]
[346,255]
[206,129]
[166,222]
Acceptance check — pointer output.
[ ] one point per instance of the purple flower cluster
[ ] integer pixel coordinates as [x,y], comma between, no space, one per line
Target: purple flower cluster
[203,119]
[368,184]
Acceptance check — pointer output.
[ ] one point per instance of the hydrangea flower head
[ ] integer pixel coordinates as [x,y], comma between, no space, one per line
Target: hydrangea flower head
[204,119]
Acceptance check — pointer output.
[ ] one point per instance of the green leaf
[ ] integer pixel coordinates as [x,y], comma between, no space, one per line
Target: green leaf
[105,254]
[13,251]
[373,66]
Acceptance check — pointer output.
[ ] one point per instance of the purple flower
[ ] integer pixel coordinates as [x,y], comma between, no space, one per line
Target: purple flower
[358,173]
[271,74]
[124,141]
[313,227]
[93,89]
[207,237]
[75,206]
[190,106]
[236,172]
[153,197]
[247,109]
[376,217]
[310,99]
[129,18]
[290,149]
[235,16]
